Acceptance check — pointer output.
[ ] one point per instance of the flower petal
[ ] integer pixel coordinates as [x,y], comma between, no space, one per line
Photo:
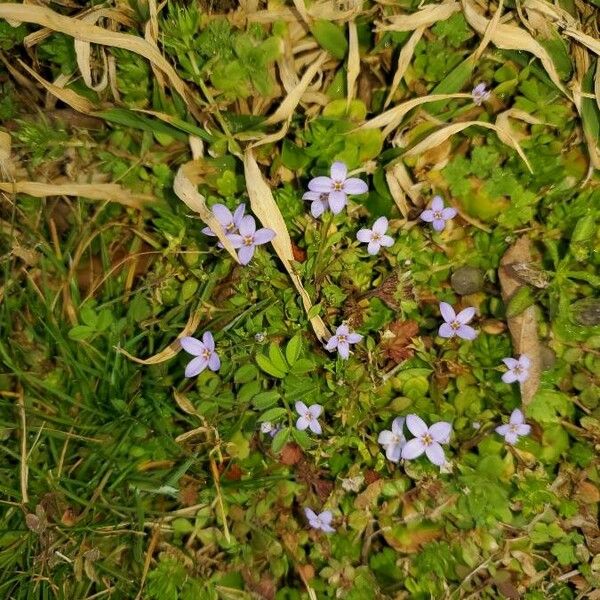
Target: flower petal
[464,316]
[446,331]
[327,528]
[386,241]
[398,426]
[441,431]
[447,311]
[310,514]
[427,216]
[524,361]
[523,429]
[332,343]
[502,430]
[247,226]
[364,235]
[301,408]
[192,345]
[326,517]
[516,417]
[208,341]
[393,452]
[337,201]
[509,377]
[311,196]
[245,254]
[412,449]
[208,231]
[380,226]
[523,376]
[315,410]
[302,423]
[315,427]
[448,213]
[373,247]
[435,454]
[238,214]
[317,208]
[416,425]
[354,338]
[511,437]
[437,204]
[511,363]
[214,362]
[342,329]
[237,241]
[466,332]
[385,437]
[195,366]
[264,235]
[223,214]
[338,171]
[439,224]
[355,186]
[320,184]
[343,349]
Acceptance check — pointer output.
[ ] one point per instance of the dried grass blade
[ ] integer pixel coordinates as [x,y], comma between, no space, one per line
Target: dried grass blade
[353,60]
[404,59]
[265,208]
[423,18]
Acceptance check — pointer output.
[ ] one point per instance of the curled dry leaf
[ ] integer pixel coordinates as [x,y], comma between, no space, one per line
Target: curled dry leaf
[404,59]
[184,186]
[425,17]
[522,327]
[265,208]
[172,349]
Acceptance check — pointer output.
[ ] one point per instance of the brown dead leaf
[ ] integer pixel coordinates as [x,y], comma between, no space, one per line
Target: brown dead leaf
[396,346]
[523,327]
[368,498]
[291,454]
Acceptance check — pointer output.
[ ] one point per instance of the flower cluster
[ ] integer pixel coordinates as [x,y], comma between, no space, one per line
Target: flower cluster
[241,231]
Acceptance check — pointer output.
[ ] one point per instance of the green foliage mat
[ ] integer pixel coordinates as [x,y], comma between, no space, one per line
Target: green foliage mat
[126,480]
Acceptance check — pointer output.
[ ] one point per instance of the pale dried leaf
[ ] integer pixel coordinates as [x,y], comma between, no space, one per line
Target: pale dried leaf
[404,59]
[425,17]
[110,192]
[396,191]
[353,68]
[265,208]
[172,349]
[184,404]
[83,54]
[489,32]
[587,40]
[523,327]
[184,186]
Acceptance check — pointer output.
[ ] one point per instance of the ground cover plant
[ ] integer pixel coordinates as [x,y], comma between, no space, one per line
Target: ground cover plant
[299,299]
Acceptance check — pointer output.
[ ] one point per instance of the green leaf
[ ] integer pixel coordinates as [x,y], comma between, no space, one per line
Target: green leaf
[521,300]
[277,358]
[268,367]
[88,315]
[265,399]
[280,439]
[245,374]
[331,37]
[548,406]
[293,157]
[293,349]
[81,332]
[273,414]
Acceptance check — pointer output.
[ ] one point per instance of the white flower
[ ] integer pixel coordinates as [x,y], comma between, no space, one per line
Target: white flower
[320,521]
[393,441]
[480,94]
[266,427]
[515,428]
[308,418]
[427,440]
[376,237]
[341,341]
[518,370]
[338,186]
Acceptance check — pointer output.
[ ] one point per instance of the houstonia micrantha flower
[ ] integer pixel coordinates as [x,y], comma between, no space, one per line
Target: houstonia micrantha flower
[309,417]
[338,186]
[480,94]
[427,440]
[321,521]
[456,324]
[229,221]
[515,428]
[319,202]
[437,214]
[249,237]
[342,339]
[376,237]
[393,441]
[518,370]
[204,352]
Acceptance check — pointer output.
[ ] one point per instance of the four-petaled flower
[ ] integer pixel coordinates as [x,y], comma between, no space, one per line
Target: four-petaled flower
[393,441]
[229,221]
[342,339]
[338,186]
[249,237]
[480,94]
[438,214]
[456,324]
[427,440]
[205,354]
[515,428]
[309,416]
[518,370]
[321,521]
[319,202]
[376,237]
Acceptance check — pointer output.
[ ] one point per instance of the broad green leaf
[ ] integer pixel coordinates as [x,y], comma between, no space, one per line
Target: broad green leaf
[268,367]
[331,37]
[293,349]
[273,414]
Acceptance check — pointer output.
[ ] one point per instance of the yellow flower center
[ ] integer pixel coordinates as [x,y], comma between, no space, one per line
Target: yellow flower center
[455,325]
[342,339]
[206,353]
[338,186]
[426,439]
[248,240]
[437,214]
[375,236]
[230,227]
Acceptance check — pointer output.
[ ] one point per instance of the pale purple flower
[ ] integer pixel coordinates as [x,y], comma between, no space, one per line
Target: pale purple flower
[249,237]
[427,440]
[309,417]
[338,186]
[518,370]
[515,428]
[229,221]
[321,521]
[268,428]
[456,324]
[376,237]
[437,214]
[480,94]
[319,202]
[342,339]
[393,441]
[204,352]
